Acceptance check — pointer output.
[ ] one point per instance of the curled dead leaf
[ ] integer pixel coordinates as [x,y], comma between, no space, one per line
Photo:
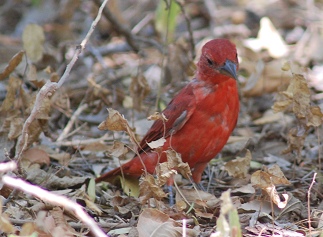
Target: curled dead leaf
[139,89]
[239,167]
[266,178]
[150,188]
[158,143]
[174,160]
[13,63]
[157,116]
[297,97]
[116,122]
[14,85]
[36,155]
[274,196]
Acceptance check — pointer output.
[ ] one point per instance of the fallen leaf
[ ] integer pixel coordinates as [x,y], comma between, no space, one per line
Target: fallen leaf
[13,63]
[239,167]
[152,222]
[116,122]
[150,188]
[33,39]
[36,155]
[268,38]
[158,143]
[14,85]
[198,197]
[139,89]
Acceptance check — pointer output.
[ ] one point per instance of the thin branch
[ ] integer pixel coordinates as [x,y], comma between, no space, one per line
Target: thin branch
[56,200]
[309,203]
[70,123]
[120,28]
[189,28]
[8,166]
[131,39]
[50,87]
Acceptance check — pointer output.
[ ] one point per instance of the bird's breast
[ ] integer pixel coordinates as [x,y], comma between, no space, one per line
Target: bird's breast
[210,125]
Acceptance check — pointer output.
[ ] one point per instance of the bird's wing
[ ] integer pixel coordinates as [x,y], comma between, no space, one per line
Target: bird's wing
[177,112]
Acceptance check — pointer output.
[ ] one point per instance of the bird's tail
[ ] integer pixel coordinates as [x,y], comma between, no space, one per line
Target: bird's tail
[110,176]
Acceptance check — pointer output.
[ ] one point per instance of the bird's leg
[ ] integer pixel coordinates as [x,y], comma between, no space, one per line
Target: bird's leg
[171,195]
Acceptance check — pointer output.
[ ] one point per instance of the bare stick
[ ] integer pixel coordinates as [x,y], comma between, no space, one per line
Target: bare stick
[309,205]
[56,200]
[131,38]
[50,87]
[8,166]
[70,123]
[189,28]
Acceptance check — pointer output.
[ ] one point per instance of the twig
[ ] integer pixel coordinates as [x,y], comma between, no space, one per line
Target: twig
[8,166]
[189,28]
[131,39]
[70,123]
[120,28]
[56,200]
[309,204]
[50,87]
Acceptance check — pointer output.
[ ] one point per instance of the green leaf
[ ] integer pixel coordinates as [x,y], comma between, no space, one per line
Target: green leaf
[166,16]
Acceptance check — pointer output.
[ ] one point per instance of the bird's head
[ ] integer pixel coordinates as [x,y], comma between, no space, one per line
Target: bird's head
[218,61]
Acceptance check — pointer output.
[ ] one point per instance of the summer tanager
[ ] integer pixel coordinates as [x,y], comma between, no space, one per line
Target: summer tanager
[200,118]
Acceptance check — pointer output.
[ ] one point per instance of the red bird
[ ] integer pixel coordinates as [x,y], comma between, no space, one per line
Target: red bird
[200,117]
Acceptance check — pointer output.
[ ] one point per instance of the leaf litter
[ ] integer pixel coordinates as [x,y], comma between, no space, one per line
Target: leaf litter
[279,127]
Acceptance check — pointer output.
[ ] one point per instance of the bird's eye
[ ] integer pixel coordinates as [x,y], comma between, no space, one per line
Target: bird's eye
[209,61]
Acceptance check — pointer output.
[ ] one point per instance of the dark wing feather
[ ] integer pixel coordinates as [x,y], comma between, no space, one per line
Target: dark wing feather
[177,112]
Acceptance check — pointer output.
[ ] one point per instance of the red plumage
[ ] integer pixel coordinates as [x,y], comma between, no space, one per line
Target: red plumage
[200,117]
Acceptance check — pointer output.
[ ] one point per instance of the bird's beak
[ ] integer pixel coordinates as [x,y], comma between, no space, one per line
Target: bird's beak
[229,69]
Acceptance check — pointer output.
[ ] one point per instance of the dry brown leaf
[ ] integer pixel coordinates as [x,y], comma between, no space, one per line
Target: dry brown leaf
[14,85]
[94,146]
[15,128]
[33,39]
[116,122]
[29,229]
[267,229]
[62,158]
[267,180]
[264,78]
[269,117]
[271,176]
[203,214]
[198,197]
[174,160]
[5,224]
[155,223]
[164,173]
[274,196]
[13,63]
[32,76]
[139,89]
[239,167]
[297,97]
[62,227]
[36,155]
[157,116]
[150,188]
[118,149]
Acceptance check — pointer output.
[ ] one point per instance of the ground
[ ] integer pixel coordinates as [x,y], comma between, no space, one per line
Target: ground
[57,84]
